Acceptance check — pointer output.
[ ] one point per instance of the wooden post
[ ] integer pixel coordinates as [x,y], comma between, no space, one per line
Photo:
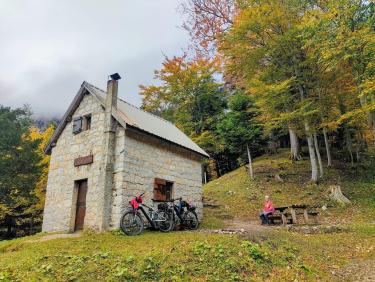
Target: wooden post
[283,218]
[250,162]
[294,216]
[306,216]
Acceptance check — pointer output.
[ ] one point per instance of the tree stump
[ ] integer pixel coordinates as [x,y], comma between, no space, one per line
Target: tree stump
[337,195]
[278,178]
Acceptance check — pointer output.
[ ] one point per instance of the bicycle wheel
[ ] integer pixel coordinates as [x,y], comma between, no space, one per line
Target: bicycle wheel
[131,223]
[165,221]
[190,220]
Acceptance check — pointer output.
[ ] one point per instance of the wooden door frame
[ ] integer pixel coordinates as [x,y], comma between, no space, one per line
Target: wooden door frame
[73,210]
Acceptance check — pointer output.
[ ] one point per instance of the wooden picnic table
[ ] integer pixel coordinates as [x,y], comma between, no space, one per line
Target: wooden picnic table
[292,211]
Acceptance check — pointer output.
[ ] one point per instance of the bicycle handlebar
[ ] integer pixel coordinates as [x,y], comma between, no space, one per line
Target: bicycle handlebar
[174,200]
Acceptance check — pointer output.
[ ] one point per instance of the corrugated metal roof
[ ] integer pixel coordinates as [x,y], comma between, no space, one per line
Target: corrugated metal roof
[148,122]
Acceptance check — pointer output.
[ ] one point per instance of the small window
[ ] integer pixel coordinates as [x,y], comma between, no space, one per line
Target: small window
[77,125]
[162,190]
[87,122]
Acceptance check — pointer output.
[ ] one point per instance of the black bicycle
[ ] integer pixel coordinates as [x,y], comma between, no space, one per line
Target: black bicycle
[132,223]
[182,213]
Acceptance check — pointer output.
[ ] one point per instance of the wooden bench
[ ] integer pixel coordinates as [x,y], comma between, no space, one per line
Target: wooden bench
[313,214]
[273,217]
[291,214]
[282,218]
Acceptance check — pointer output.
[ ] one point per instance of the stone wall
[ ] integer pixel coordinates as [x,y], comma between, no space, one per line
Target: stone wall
[147,158]
[60,206]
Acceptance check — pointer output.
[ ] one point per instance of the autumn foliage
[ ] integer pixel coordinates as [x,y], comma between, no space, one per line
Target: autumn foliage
[309,66]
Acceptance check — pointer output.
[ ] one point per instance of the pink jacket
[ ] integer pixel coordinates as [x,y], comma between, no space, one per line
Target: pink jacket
[268,207]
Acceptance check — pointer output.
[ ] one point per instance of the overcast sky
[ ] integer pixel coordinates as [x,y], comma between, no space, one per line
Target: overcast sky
[48,48]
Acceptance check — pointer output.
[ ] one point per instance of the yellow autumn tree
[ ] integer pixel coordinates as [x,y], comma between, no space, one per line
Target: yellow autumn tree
[40,189]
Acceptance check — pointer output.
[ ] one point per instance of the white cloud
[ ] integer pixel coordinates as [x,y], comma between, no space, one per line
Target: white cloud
[49,47]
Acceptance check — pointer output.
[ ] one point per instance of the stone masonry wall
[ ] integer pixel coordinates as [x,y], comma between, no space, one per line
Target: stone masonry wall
[60,206]
[139,159]
[147,158]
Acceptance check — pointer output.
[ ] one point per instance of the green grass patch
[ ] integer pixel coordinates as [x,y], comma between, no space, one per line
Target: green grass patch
[153,256]
[240,197]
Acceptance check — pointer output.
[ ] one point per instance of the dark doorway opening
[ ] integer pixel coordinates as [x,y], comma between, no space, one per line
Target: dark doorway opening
[81,204]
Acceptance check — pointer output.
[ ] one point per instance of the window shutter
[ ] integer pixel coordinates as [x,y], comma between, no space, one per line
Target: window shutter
[158,193]
[162,190]
[77,125]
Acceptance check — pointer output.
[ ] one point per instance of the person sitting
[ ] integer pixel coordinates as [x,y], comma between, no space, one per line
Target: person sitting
[267,210]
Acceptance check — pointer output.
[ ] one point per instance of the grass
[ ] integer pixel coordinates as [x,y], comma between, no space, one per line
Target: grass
[185,256]
[239,197]
[277,255]
[152,256]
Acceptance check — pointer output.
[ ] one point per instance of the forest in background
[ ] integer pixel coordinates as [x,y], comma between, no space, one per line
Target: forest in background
[258,76]
[24,171]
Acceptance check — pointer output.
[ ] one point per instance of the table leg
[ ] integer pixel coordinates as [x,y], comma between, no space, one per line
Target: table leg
[306,216]
[283,218]
[294,217]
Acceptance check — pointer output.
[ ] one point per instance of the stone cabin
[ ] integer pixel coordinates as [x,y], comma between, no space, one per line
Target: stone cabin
[105,151]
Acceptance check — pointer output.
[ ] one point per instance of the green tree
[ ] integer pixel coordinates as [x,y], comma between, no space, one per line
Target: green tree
[343,39]
[265,51]
[41,186]
[239,129]
[20,163]
[188,95]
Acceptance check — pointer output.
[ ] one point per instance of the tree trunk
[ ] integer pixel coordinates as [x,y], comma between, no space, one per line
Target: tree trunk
[328,149]
[272,145]
[9,222]
[251,173]
[316,145]
[313,161]
[370,114]
[338,196]
[348,144]
[310,139]
[358,155]
[212,169]
[294,145]
[361,145]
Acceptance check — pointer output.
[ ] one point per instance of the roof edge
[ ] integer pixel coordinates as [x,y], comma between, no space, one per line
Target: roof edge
[77,100]
[72,107]
[134,128]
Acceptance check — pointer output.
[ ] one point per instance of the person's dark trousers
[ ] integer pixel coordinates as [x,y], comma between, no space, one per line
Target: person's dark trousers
[264,217]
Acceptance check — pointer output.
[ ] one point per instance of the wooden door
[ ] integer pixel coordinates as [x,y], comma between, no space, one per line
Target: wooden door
[81,205]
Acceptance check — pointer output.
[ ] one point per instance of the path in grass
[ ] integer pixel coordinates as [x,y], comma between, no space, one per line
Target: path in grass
[359,270]
[48,237]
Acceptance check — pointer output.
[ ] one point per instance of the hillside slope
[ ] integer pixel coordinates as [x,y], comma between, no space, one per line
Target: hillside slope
[235,196]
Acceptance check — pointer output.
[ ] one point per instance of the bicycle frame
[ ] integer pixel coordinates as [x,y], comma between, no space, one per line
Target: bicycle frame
[152,223]
[144,212]
[177,212]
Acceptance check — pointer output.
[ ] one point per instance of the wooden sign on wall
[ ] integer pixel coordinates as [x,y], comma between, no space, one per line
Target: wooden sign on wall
[84,160]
